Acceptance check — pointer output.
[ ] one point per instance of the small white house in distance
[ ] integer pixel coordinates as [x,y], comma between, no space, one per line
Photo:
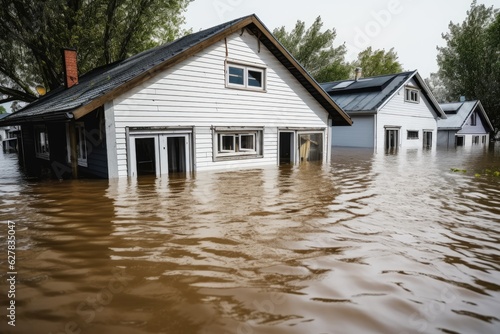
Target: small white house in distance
[389,112]
[227,97]
[467,125]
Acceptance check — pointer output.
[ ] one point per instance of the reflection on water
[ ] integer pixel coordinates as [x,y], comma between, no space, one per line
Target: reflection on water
[371,243]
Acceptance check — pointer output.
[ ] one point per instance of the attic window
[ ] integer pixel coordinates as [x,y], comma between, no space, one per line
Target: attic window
[245,77]
[473,119]
[412,95]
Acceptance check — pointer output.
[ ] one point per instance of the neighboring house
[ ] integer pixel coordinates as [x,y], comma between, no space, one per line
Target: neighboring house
[467,125]
[388,112]
[224,98]
[8,136]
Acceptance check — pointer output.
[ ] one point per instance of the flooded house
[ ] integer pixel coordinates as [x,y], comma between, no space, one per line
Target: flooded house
[389,112]
[227,97]
[467,124]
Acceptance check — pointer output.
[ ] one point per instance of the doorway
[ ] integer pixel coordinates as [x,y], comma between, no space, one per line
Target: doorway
[159,154]
[286,145]
[427,139]
[391,139]
[145,156]
[459,141]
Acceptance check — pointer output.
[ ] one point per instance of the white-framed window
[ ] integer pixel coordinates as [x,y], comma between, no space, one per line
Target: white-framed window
[475,139]
[473,119]
[412,134]
[237,143]
[245,76]
[412,95]
[483,139]
[81,144]
[42,142]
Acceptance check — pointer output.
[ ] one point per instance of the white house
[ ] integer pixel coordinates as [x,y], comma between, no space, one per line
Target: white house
[467,125]
[389,112]
[224,98]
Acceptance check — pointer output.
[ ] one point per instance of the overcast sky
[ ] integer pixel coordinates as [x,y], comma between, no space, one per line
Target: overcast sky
[412,27]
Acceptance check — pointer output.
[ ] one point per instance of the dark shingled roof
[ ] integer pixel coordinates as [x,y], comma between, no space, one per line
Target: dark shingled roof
[367,95]
[99,85]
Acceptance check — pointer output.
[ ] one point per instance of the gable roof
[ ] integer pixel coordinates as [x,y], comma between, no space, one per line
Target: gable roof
[459,112]
[370,94]
[105,83]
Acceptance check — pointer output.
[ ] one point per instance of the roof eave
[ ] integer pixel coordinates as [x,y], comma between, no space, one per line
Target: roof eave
[338,115]
[60,116]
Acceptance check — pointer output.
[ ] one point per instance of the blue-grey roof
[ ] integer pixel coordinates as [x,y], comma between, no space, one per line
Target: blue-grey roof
[459,112]
[105,83]
[367,95]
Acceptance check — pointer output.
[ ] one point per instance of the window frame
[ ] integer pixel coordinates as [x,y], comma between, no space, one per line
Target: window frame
[473,119]
[246,77]
[39,152]
[220,154]
[417,132]
[81,137]
[408,94]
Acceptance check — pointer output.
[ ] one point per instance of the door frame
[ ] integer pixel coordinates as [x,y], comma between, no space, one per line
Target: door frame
[397,130]
[161,135]
[295,139]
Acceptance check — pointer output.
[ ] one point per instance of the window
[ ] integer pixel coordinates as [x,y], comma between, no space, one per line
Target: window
[483,139]
[81,144]
[42,142]
[237,143]
[473,119]
[475,140]
[241,76]
[412,134]
[412,95]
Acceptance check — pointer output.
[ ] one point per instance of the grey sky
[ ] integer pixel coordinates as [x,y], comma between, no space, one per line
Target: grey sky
[412,27]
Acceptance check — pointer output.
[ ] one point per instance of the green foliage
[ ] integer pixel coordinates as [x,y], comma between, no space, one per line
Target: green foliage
[469,64]
[3,110]
[488,172]
[378,62]
[32,33]
[314,50]
[438,89]
[458,170]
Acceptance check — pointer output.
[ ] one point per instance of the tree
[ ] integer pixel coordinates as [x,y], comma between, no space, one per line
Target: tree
[32,33]
[378,62]
[2,110]
[469,64]
[438,89]
[314,50]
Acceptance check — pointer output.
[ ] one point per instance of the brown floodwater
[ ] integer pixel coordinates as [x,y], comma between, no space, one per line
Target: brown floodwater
[368,244]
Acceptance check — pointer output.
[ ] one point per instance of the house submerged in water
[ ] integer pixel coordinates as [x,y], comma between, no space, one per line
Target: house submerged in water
[389,112]
[227,97]
[467,125]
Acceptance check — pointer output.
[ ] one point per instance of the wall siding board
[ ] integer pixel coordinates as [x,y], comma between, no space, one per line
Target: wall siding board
[360,134]
[410,117]
[193,93]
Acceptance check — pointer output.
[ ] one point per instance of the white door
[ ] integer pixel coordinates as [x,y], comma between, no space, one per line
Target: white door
[159,154]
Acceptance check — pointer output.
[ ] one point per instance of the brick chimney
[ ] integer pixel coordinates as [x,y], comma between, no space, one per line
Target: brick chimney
[70,67]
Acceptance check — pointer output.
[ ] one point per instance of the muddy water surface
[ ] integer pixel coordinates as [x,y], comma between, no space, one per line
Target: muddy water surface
[369,244]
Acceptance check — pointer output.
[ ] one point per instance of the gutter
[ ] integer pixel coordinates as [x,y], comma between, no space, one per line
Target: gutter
[28,119]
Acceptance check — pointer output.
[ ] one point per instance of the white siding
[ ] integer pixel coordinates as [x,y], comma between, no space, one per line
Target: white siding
[193,93]
[360,134]
[410,117]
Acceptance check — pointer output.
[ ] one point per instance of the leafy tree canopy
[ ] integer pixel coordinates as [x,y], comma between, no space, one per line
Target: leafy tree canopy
[378,62]
[469,64]
[2,110]
[32,33]
[314,50]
